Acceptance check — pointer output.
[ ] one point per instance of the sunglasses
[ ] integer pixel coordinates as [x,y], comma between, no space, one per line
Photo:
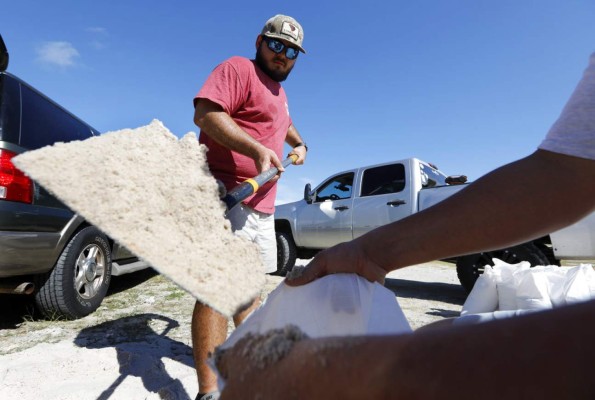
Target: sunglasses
[277,46]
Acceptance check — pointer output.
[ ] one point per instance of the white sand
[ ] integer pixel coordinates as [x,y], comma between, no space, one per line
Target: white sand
[155,195]
[65,371]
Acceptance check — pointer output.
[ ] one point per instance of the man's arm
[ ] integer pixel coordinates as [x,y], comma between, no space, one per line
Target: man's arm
[515,203]
[534,358]
[216,123]
[293,138]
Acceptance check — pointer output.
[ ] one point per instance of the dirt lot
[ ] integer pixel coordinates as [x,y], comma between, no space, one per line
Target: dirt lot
[137,345]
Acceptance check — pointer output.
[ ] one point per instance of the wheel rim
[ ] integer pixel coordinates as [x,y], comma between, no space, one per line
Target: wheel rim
[480,263]
[89,271]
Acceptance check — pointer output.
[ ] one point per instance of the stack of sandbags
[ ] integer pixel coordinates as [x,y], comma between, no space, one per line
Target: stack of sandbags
[511,287]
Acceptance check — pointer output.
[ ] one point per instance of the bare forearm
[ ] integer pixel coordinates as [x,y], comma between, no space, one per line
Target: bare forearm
[515,203]
[293,136]
[515,358]
[223,129]
[520,357]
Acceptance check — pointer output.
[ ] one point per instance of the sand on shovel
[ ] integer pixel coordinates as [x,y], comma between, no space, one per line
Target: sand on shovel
[155,195]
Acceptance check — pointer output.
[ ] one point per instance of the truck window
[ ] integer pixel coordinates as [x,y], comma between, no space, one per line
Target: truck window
[337,188]
[383,180]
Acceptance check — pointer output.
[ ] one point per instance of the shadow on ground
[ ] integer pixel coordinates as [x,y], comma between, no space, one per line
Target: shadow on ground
[436,291]
[141,344]
[14,309]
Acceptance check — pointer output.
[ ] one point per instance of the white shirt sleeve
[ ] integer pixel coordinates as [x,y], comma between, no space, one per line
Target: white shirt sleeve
[574,132]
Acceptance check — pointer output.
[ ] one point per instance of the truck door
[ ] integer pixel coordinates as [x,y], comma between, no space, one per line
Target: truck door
[385,196]
[327,221]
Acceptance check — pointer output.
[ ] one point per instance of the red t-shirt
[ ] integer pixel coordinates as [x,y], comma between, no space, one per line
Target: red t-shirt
[259,106]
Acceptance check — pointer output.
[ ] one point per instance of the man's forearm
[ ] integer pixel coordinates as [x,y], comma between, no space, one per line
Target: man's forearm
[293,136]
[497,211]
[223,129]
[545,355]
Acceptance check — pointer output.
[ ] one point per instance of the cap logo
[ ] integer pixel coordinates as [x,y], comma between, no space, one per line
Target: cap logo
[290,30]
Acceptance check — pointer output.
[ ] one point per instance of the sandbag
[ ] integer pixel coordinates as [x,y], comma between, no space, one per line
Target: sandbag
[484,295]
[579,284]
[519,287]
[507,284]
[533,287]
[335,305]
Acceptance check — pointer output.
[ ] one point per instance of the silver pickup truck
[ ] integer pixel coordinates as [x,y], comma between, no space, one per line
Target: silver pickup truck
[350,203]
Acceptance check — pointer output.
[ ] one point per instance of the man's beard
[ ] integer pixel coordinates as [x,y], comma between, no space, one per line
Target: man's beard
[277,76]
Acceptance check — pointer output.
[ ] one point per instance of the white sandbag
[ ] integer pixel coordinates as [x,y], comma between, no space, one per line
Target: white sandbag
[579,285]
[557,277]
[335,305]
[484,295]
[506,284]
[533,287]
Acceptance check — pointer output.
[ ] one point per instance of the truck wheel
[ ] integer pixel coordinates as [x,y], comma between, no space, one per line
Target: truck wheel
[286,253]
[79,281]
[471,266]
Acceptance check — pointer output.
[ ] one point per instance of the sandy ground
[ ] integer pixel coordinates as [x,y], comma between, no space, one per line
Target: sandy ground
[137,345]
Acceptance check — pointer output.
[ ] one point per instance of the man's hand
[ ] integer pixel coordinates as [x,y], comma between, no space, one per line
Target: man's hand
[266,159]
[349,257]
[299,151]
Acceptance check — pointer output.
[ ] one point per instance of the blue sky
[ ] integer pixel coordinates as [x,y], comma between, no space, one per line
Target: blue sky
[466,84]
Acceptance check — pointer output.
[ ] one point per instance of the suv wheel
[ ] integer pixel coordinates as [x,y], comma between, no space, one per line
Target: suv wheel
[80,279]
[286,253]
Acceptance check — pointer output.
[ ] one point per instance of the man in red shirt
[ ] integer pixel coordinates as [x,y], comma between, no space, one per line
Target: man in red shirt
[244,119]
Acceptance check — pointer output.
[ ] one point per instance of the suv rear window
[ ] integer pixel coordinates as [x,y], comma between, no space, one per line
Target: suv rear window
[10,109]
[45,123]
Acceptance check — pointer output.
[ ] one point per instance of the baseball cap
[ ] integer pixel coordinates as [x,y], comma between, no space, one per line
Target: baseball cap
[286,28]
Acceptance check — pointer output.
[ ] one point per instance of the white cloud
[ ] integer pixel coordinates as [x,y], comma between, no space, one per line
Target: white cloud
[61,54]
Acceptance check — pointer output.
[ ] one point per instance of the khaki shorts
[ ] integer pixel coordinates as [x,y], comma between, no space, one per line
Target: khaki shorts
[258,228]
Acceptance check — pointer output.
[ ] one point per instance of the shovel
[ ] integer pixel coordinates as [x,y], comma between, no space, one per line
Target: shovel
[251,185]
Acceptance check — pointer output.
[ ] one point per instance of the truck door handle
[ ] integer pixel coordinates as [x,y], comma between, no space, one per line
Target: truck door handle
[341,208]
[395,203]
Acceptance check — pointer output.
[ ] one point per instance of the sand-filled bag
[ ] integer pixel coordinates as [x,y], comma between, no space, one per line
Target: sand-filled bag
[155,195]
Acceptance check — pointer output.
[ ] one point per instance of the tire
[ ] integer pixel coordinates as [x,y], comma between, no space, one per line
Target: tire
[286,253]
[79,281]
[470,267]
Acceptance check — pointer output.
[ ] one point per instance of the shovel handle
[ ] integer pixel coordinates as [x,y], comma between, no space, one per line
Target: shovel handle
[251,185]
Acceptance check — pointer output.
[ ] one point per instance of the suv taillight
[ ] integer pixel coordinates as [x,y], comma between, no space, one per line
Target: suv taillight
[14,184]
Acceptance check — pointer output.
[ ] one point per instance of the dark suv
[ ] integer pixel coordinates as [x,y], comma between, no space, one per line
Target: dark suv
[46,250]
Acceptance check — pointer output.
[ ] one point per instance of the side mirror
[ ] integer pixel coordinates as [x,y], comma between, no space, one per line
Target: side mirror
[3,55]
[308,195]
